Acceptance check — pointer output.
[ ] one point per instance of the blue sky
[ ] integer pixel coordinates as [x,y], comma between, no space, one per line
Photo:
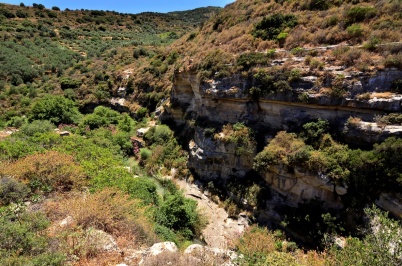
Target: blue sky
[125,6]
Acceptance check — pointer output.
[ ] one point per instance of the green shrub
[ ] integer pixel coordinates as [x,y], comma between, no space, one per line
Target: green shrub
[394,61]
[141,113]
[269,28]
[6,13]
[354,31]
[165,233]
[358,14]
[101,117]
[390,119]
[316,4]
[12,191]
[56,109]
[17,121]
[249,60]
[158,135]
[68,83]
[179,214]
[142,188]
[21,238]
[145,153]
[380,246]
[314,131]
[36,126]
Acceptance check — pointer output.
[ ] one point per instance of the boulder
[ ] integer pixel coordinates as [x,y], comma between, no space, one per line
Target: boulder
[66,222]
[162,247]
[101,240]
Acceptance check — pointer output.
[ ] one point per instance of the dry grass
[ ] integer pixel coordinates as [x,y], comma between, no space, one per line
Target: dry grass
[110,211]
[51,170]
[382,95]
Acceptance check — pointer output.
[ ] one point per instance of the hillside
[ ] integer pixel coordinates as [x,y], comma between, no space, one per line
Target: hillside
[281,122]
[81,53]
[292,111]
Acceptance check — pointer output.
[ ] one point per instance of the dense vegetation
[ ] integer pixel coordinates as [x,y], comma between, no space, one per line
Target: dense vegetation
[53,64]
[37,163]
[86,55]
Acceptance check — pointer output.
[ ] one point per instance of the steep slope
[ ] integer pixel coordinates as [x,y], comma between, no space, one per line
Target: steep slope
[260,67]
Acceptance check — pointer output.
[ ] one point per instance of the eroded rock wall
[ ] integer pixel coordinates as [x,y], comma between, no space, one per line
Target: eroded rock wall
[226,101]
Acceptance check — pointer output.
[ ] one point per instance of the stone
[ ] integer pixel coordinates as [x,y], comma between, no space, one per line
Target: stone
[141,132]
[101,240]
[162,247]
[341,190]
[340,242]
[199,251]
[65,134]
[121,92]
[391,203]
[66,221]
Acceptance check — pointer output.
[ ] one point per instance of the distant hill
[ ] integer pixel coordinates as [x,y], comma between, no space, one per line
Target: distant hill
[80,53]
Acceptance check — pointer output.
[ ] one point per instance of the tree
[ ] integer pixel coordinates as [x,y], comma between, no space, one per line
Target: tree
[56,109]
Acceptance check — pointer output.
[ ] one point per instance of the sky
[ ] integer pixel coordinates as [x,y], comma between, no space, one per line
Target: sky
[125,6]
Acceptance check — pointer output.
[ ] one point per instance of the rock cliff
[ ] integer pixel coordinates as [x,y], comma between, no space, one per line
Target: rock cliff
[195,106]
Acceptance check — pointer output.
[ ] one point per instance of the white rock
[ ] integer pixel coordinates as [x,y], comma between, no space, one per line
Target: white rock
[161,247]
[102,240]
[66,221]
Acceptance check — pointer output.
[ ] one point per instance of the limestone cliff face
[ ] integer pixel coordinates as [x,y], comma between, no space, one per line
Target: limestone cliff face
[298,186]
[212,159]
[226,101]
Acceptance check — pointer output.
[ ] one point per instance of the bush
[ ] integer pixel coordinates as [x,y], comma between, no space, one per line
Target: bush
[68,83]
[355,31]
[180,215]
[101,117]
[394,61]
[37,126]
[240,135]
[269,28]
[105,210]
[314,131]
[316,5]
[145,154]
[256,244]
[6,13]
[358,14]
[22,241]
[12,191]
[380,246]
[45,172]
[56,109]
[158,135]
[249,60]
[21,14]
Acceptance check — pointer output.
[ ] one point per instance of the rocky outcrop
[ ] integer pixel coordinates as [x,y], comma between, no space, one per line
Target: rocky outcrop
[222,101]
[299,186]
[391,203]
[217,158]
[226,101]
[101,241]
[370,132]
